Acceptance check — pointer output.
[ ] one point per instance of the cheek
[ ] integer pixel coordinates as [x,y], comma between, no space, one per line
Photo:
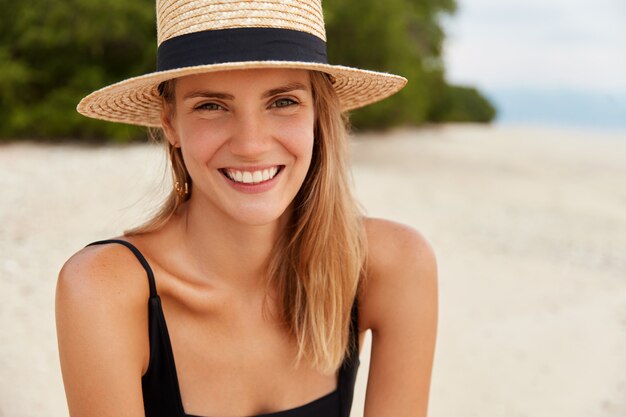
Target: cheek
[200,141]
[298,139]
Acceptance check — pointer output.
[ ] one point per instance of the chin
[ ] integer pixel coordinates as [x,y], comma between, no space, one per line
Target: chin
[258,216]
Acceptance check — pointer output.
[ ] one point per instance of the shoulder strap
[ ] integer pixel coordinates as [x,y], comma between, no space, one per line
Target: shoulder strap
[140,257]
[354,328]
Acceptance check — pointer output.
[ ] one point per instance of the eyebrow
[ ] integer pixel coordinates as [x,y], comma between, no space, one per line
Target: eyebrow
[284,89]
[225,96]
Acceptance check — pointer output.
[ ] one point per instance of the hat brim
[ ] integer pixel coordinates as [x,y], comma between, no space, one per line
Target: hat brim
[136,100]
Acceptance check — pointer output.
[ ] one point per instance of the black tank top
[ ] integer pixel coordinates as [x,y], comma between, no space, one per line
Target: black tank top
[161,393]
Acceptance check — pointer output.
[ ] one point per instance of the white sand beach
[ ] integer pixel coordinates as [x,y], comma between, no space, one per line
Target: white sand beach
[528,224]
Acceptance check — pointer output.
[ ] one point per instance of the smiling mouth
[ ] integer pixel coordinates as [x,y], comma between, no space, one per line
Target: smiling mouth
[251,177]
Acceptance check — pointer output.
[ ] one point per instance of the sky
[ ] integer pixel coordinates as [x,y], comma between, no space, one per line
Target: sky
[543,61]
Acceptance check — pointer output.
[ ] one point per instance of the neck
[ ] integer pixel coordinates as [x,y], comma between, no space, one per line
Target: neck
[221,248]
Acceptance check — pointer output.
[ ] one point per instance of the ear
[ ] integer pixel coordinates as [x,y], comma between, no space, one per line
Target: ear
[167,122]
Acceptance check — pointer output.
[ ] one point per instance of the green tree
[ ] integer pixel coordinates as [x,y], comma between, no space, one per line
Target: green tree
[53,53]
[461,104]
[404,37]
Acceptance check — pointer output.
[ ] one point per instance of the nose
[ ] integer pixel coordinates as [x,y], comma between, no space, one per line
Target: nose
[251,136]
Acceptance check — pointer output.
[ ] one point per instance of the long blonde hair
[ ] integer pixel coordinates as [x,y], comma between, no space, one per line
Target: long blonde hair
[317,265]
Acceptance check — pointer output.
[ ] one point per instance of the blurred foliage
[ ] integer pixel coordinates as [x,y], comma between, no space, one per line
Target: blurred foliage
[54,53]
[461,104]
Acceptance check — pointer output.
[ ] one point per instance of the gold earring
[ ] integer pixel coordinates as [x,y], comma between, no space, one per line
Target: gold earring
[181,190]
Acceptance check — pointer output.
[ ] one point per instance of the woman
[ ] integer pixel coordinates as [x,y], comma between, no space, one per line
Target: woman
[267,273]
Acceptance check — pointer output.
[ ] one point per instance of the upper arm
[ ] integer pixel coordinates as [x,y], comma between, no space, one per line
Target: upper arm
[101,319]
[400,306]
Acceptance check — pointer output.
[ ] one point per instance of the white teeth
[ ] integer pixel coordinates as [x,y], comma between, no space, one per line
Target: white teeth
[254,177]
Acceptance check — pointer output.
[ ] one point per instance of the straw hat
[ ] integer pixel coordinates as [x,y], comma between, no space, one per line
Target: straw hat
[198,36]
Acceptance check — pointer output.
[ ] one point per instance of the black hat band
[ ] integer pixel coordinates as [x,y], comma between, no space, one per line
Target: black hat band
[240,45]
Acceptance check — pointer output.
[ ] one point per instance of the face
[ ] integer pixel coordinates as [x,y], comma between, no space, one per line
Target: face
[246,137]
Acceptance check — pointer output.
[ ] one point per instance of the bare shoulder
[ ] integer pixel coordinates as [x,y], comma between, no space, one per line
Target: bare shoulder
[396,245]
[399,305]
[107,273]
[102,330]
[400,260]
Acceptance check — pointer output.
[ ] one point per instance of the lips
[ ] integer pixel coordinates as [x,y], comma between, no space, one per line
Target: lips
[243,176]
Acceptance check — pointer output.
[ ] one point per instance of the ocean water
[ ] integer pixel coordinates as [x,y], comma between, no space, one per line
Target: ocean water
[603,111]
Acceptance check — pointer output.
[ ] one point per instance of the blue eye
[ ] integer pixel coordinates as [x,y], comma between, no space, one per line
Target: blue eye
[209,106]
[283,102]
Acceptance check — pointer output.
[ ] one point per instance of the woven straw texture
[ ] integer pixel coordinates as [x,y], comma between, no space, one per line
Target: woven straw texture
[179,17]
[136,100]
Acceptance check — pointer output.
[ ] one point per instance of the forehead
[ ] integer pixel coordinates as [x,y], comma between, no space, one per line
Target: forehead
[257,79]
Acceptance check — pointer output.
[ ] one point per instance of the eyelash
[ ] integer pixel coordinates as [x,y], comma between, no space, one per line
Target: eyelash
[291,102]
[205,106]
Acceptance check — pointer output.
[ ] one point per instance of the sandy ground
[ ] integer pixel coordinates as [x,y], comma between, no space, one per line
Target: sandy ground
[529,226]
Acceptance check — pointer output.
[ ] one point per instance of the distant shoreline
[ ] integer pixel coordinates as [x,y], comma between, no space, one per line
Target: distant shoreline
[568,108]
